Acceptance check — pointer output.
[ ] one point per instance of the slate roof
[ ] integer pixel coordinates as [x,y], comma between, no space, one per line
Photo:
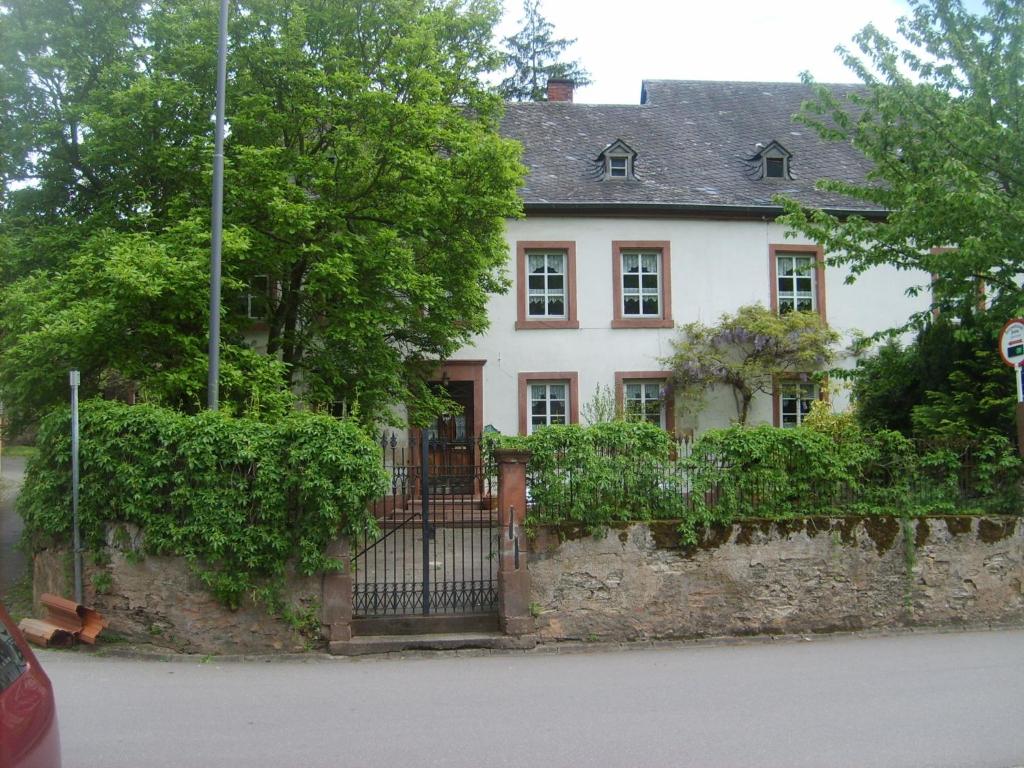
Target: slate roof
[694,141]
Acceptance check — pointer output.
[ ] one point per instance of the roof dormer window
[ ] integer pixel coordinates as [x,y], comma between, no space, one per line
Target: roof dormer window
[771,161]
[616,161]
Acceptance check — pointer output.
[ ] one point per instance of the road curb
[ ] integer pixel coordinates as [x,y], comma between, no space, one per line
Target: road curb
[563,648]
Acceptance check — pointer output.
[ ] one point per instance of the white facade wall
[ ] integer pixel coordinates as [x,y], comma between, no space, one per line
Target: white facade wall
[716,266]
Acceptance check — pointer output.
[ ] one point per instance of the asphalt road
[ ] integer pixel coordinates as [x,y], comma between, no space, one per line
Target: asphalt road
[12,561]
[938,700]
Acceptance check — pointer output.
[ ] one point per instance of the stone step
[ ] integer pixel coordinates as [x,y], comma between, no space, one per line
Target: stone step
[372,644]
[418,624]
[412,516]
[484,504]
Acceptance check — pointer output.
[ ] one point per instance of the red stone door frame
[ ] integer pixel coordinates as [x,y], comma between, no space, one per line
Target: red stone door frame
[457,371]
[471,371]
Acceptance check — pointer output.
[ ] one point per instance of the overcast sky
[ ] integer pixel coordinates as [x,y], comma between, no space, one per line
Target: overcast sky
[622,43]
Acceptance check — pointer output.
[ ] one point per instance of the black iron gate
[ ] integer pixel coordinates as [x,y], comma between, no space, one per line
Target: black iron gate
[437,549]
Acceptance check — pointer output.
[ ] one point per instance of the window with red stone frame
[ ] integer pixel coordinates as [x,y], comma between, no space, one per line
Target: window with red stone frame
[634,392]
[792,397]
[641,284]
[546,398]
[797,278]
[545,284]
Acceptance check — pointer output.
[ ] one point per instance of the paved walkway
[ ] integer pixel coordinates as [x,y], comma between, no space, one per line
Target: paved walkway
[12,561]
[950,700]
[462,562]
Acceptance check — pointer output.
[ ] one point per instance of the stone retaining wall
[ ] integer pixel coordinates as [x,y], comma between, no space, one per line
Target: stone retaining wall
[636,582]
[158,601]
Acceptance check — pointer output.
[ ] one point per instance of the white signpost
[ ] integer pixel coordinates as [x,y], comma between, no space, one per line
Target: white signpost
[1011,349]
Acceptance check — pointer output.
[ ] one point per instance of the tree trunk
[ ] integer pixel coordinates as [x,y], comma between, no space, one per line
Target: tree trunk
[284,328]
[745,406]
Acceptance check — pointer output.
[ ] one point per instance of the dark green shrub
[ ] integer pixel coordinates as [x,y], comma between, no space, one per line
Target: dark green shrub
[948,383]
[979,475]
[599,474]
[239,498]
[830,466]
[766,472]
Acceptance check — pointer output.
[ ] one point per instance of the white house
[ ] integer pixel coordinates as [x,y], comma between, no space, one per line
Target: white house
[640,218]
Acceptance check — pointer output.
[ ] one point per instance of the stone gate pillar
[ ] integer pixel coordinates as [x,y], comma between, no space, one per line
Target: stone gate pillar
[337,594]
[513,577]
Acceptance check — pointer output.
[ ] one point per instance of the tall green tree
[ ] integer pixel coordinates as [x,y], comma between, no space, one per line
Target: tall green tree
[941,118]
[366,191]
[942,384]
[533,55]
[942,121]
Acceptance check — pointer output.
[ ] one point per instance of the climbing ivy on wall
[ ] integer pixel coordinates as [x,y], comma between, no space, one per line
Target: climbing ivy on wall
[238,498]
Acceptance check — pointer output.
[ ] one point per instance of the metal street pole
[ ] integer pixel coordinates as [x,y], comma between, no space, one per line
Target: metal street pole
[425,513]
[1020,410]
[212,388]
[75,379]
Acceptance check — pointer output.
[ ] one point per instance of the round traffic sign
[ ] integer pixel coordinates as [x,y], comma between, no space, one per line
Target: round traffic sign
[1011,342]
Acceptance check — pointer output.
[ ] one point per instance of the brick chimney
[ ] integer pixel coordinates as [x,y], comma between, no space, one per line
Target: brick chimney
[560,89]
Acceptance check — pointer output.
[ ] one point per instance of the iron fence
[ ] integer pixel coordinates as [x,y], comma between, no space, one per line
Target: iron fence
[437,556]
[436,548]
[614,485]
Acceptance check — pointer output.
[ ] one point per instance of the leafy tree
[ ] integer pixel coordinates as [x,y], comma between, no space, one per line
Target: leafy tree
[944,384]
[942,122]
[746,351]
[130,309]
[366,184]
[890,382]
[887,385]
[601,407]
[533,55]
[948,384]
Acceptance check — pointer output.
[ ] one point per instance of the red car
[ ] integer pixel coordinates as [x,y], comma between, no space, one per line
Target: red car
[28,716]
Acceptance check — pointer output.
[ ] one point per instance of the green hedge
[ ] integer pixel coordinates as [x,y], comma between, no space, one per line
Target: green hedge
[780,473]
[599,474]
[630,472]
[239,498]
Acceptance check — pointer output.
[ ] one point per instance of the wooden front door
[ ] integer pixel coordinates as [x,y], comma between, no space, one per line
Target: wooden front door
[453,444]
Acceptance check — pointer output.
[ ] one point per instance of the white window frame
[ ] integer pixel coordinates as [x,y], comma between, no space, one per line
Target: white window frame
[613,166]
[643,413]
[258,291]
[795,394]
[547,292]
[548,417]
[794,296]
[641,290]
